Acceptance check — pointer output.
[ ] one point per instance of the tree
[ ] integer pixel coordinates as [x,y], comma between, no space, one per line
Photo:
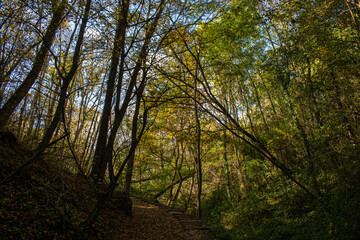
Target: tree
[10,105]
[67,79]
[103,154]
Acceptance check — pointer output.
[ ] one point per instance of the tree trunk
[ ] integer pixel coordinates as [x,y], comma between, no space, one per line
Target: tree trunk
[171,186]
[100,159]
[180,175]
[130,164]
[198,149]
[66,81]
[103,152]
[226,165]
[11,104]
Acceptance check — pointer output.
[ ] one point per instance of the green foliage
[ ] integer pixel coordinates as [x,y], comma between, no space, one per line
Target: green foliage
[282,214]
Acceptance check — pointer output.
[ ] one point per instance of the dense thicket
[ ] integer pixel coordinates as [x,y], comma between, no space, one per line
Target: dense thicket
[245,112]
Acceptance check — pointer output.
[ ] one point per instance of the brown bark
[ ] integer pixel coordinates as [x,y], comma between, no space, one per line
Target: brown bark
[198,148]
[100,158]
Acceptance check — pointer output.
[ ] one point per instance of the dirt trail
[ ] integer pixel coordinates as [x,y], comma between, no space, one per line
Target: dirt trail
[150,221]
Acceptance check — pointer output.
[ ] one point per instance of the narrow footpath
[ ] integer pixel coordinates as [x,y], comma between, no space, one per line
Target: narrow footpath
[150,221]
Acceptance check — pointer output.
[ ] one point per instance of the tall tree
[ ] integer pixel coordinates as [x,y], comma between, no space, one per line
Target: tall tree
[100,159]
[134,135]
[67,79]
[104,146]
[198,143]
[8,108]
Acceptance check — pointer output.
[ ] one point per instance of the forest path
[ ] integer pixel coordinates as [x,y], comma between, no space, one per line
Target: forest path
[48,202]
[150,221]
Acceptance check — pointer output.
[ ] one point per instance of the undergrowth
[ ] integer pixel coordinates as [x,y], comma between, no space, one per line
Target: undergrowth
[286,215]
[43,201]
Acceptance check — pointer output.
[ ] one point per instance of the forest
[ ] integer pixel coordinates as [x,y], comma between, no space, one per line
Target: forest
[244,113]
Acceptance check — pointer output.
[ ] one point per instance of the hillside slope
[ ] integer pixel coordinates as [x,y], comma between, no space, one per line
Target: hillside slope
[48,202]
